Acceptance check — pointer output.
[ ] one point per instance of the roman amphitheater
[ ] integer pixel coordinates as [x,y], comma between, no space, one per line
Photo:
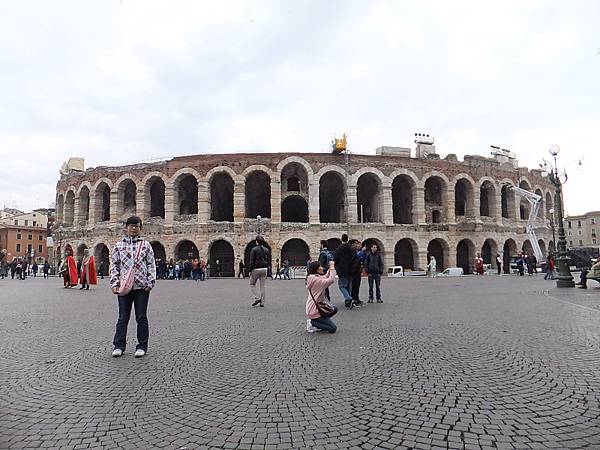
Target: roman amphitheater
[413,204]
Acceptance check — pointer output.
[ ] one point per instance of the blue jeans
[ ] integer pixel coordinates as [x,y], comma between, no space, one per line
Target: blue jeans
[345,285]
[139,299]
[324,324]
[375,277]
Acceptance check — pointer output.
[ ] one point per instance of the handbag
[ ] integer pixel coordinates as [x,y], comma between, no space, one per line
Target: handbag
[127,279]
[325,309]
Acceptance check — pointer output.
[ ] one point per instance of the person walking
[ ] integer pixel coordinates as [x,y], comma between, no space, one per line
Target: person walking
[316,283]
[87,275]
[521,264]
[3,264]
[499,264]
[260,259]
[277,269]
[241,269]
[549,267]
[357,270]
[593,272]
[34,269]
[202,269]
[345,259]
[68,269]
[132,253]
[286,270]
[374,267]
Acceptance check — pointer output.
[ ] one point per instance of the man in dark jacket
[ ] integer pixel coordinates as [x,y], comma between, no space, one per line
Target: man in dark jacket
[345,262]
[260,259]
[325,256]
[374,267]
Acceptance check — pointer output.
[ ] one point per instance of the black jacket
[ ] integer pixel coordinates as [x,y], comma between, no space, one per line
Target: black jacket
[260,257]
[374,263]
[345,258]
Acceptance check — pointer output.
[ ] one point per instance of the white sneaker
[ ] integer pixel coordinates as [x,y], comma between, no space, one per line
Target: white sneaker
[309,326]
[117,352]
[139,353]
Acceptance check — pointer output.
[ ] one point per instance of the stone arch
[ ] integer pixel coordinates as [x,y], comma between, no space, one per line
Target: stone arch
[296,251]
[60,207]
[294,208]
[221,258]
[507,200]
[102,257]
[464,196]
[542,211]
[127,196]
[489,250]
[84,202]
[102,190]
[295,180]
[154,188]
[435,187]
[404,253]
[508,251]
[221,188]
[524,183]
[542,245]
[186,249]
[159,250]
[404,188]
[527,247]
[487,197]
[438,248]
[332,197]
[81,248]
[369,196]
[465,255]
[258,193]
[186,194]
[69,214]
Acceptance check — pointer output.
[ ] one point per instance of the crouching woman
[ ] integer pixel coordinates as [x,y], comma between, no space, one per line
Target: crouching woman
[318,311]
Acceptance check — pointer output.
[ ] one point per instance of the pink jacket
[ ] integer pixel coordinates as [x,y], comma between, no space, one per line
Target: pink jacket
[317,285]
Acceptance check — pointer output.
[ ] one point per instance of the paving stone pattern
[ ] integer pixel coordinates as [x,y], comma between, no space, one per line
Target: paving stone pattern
[458,363]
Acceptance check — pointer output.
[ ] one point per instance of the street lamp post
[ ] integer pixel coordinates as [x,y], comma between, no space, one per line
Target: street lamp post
[564,279]
[551,211]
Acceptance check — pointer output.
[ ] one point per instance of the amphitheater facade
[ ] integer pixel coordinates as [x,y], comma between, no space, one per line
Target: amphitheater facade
[207,205]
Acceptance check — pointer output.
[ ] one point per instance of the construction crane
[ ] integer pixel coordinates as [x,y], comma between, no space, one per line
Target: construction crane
[534,199]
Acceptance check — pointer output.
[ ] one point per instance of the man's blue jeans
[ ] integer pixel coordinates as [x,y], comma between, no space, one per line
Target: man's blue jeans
[345,285]
[375,278]
[139,299]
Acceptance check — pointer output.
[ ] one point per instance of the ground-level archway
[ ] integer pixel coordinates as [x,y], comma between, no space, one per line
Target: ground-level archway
[509,250]
[438,249]
[221,258]
[102,257]
[404,254]
[296,252]
[159,250]
[81,248]
[465,255]
[186,250]
[489,250]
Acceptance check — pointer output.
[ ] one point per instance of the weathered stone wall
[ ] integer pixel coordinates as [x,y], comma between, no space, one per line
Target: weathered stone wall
[199,229]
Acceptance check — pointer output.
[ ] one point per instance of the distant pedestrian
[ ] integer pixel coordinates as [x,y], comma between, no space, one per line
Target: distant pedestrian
[260,259]
[69,269]
[374,267]
[34,269]
[277,269]
[345,261]
[549,267]
[46,269]
[499,264]
[286,270]
[316,283]
[132,257]
[241,269]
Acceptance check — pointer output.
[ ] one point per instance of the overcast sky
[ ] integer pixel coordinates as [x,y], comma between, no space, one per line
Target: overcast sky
[122,81]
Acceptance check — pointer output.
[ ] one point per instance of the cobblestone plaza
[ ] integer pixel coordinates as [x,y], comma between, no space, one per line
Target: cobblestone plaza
[471,362]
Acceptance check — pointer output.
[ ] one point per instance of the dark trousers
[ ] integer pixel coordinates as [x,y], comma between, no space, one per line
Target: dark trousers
[139,299]
[356,278]
[375,278]
[499,269]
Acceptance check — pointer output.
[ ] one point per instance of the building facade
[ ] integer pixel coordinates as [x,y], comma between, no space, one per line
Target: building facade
[583,231]
[213,206]
[24,241]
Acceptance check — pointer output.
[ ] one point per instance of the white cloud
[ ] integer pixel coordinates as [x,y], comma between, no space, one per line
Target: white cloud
[118,81]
